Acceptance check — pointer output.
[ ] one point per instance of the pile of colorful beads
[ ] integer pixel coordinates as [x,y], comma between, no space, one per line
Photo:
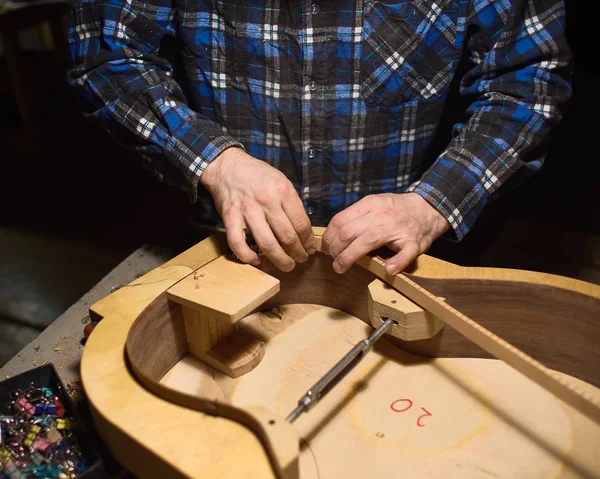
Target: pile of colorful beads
[37,440]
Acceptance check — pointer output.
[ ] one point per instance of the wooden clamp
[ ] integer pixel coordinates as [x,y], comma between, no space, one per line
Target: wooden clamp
[412,322]
[214,298]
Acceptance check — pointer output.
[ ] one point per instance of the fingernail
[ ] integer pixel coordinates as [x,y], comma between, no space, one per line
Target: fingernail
[311,250]
[391,269]
[337,267]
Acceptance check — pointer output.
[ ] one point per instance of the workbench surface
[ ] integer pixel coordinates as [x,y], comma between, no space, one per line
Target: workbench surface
[61,342]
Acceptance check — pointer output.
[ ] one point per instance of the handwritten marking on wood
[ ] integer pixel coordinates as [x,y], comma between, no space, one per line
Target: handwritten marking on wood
[427,413]
[396,407]
[393,405]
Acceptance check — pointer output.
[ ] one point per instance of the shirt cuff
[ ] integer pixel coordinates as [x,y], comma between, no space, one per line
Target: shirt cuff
[458,195]
[205,148]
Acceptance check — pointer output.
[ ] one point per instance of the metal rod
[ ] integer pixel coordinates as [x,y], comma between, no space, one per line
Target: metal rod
[338,372]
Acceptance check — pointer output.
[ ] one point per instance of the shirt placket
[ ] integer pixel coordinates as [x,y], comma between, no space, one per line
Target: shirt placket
[311,146]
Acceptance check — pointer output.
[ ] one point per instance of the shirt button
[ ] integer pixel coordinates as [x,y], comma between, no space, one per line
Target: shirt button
[311,153]
[314,9]
[313,86]
[310,210]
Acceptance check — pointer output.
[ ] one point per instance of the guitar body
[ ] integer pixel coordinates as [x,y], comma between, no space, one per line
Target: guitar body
[170,404]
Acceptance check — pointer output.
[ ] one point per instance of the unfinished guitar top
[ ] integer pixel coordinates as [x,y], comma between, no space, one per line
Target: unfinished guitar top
[194,367]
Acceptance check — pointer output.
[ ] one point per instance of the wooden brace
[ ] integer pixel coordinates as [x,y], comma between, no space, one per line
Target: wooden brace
[214,298]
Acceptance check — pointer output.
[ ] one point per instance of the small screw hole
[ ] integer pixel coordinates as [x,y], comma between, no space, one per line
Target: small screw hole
[271,421]
[394,301]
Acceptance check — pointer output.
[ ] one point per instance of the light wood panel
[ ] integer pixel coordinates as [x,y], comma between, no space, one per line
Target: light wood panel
[225,289]
[397,415]
[230,449]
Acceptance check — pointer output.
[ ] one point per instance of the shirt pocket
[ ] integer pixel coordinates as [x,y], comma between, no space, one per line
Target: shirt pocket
[251,44]
[408,51]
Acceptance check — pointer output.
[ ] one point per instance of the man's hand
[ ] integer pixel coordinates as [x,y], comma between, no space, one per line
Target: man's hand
[249,193]
[406,223]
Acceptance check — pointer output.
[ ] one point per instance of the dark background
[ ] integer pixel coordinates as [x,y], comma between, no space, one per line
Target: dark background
[73,204]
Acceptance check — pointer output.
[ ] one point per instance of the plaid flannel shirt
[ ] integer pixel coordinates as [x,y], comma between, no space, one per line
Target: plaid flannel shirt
[341,96]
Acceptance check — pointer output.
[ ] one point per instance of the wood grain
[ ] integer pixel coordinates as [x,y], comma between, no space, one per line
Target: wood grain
[413,323]
[224,289]
[239,353]
[558,327]
[213,299]
[532,316]
[146,433]
[560,386]
[125,389]
[480,417]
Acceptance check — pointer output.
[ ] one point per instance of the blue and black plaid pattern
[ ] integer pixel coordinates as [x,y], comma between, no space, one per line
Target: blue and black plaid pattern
[342,96]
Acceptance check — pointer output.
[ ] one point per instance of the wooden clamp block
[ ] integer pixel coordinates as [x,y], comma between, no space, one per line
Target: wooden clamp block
[214,298]
[414,322]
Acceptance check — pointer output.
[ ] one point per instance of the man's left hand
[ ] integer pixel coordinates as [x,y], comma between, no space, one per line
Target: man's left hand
[406,223]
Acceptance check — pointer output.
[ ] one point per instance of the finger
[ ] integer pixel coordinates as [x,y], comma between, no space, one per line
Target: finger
[407,254]
[267,242]
[350,232]
[360,208]
[301,223]
[370,239]
[286,235]
[236,238]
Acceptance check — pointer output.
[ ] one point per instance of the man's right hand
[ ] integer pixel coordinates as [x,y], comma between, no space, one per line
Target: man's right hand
[250,193]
